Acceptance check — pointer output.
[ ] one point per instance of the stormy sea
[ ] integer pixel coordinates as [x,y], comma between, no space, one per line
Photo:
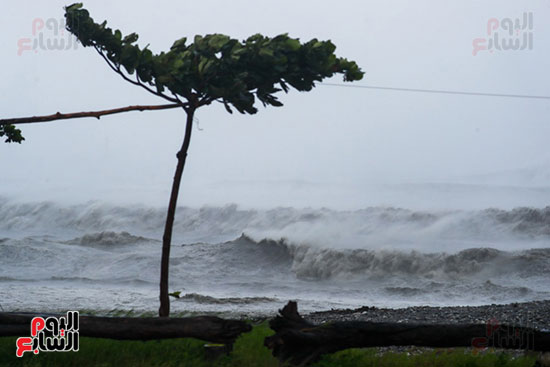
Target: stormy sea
[233,260]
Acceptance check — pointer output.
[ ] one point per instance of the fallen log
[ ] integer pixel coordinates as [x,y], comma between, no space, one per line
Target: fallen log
[299,342]
[208,328]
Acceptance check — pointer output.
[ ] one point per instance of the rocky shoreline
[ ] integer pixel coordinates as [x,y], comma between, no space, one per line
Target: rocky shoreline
[534,314]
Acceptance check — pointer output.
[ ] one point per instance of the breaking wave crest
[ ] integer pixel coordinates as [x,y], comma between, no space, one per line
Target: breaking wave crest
[107,239]
[375,226]
[311,262]
[199,298]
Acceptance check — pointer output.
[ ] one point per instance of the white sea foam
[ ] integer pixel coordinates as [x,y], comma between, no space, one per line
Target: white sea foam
[110,255]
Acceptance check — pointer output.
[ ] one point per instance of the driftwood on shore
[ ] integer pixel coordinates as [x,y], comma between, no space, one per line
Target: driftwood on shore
[299,342]
[208,328]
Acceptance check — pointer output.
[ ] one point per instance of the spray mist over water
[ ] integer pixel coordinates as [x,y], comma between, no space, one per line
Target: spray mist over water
[237,260]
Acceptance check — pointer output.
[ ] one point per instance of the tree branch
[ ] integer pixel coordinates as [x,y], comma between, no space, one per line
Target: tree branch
[119,72]
[206,101]
[96,114]
[184,105]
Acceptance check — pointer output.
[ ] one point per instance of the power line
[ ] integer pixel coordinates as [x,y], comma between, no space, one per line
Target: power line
[436,91]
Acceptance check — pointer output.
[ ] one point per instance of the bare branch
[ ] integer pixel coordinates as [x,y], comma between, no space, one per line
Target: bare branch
[184,105]
[96,114]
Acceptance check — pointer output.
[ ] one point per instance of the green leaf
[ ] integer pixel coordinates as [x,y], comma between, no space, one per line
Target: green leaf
[131,38]
[146,56]
[73,7]
[175,294]
[12,134]
[293,44]
[197,40]
[217,41]
[204,65]
[318,44]
[266,52]
[129,57]
[179,44]
[178,63]
[227,108]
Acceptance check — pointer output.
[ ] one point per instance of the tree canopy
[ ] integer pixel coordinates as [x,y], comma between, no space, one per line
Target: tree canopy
[216,67]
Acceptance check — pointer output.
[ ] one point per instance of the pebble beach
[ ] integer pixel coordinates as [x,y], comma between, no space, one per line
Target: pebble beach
[528,314]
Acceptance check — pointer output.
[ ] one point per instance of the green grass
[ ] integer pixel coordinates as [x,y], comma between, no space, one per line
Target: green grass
[248,351]
[453,358]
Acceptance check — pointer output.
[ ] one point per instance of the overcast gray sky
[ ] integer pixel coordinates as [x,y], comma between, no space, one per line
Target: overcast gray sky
[317,149]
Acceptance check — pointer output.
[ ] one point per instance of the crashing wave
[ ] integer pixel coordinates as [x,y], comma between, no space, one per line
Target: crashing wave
[312,262]
[199,298]
[107,239]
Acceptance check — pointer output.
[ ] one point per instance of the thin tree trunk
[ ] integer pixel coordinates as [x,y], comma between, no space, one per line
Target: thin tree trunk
[164,310]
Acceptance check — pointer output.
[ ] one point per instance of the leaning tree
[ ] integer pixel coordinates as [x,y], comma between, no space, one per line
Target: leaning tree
[213,68]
